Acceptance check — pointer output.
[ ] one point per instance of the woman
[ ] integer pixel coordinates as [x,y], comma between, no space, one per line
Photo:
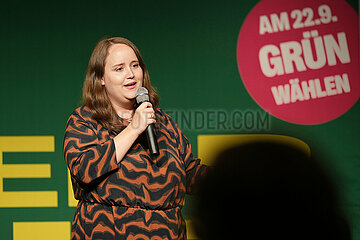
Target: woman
[123,192]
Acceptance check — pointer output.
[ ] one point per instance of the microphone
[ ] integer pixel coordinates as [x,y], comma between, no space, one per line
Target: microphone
[142,95]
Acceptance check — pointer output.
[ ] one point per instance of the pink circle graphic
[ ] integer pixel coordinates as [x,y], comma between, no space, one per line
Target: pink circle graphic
[299,59]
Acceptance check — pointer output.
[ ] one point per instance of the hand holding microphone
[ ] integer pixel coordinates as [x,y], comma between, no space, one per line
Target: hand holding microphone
[144,116]
[144,119]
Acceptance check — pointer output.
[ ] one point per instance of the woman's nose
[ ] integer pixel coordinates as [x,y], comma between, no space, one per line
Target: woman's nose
[130,73]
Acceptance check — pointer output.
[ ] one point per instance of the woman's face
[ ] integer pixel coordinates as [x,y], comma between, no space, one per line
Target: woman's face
[122,76]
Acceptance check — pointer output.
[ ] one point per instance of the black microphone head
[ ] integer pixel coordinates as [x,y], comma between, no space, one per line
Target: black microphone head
[142,95]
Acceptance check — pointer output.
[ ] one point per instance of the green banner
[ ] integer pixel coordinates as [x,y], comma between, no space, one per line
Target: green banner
[191,51]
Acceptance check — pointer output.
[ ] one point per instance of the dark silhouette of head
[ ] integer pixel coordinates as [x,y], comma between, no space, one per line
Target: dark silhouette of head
[267,190]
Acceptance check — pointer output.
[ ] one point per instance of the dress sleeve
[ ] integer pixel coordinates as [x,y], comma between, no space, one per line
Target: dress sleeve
[194,169]
[87,158]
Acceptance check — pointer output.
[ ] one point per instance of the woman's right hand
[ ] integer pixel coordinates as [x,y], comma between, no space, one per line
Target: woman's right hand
[143,116]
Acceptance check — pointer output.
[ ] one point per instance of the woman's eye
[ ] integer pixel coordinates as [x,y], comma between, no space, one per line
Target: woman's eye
[119,69]
[135,65]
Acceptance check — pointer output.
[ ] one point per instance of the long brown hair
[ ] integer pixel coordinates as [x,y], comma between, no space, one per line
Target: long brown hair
[94,93]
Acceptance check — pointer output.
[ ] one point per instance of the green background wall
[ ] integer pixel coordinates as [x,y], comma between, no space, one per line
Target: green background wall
[190,50]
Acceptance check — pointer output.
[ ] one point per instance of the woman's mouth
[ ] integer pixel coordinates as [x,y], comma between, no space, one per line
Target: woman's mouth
[130,85]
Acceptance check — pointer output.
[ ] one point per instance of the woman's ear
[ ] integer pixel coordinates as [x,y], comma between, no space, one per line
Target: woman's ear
[102,81]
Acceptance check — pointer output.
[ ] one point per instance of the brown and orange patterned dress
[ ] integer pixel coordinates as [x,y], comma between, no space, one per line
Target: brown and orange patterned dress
[138,198]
